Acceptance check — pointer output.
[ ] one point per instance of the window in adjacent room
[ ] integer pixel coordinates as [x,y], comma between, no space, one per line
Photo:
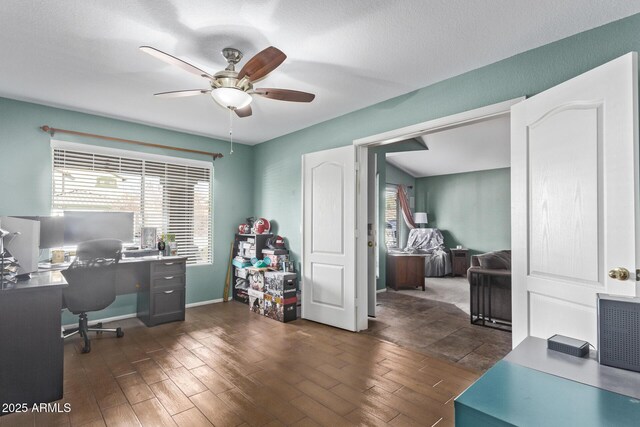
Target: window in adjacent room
[172,194]
[391,216]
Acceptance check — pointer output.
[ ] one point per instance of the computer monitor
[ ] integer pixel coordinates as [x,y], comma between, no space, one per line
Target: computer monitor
[24,242]
[80,226]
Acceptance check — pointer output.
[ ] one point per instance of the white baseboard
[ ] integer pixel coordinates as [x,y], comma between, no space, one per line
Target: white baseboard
[199,303]
[381,290]
[129,316]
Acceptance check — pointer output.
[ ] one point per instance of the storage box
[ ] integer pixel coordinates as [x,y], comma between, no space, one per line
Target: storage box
[242,295]
[256,278]
[279,284]
[277,257]
[241,272]
[282,310]
[256,301]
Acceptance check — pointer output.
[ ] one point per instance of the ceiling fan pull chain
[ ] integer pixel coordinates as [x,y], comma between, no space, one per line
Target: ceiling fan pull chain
[231,129]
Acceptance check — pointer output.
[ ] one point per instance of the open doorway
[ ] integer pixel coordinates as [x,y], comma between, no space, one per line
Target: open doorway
[459,187]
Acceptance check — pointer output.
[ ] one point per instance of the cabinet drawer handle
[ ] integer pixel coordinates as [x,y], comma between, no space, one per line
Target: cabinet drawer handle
[168,263]
[169,292]
[168,277]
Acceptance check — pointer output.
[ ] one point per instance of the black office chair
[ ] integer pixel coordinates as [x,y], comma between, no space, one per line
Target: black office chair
[92,285]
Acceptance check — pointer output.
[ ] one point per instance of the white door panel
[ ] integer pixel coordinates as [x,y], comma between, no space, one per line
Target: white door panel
[328,276]
[574,199]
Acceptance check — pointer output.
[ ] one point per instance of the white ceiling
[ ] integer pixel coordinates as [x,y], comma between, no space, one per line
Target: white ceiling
[83,55]
[479,146]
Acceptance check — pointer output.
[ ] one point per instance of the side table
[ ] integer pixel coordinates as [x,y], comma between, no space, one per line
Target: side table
[459,262]
[405,271]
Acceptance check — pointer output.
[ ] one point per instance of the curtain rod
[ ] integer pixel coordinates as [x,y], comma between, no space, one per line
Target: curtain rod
[408,186]
[53,131]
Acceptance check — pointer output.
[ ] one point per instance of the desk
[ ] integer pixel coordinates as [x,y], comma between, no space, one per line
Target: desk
[31,347]
[533,386]
[159,281]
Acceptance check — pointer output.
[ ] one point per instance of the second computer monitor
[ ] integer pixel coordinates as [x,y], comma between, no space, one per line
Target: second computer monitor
[81,226]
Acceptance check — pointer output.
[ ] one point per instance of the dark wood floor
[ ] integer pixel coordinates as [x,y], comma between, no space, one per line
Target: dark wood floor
[437,329]
[227,367]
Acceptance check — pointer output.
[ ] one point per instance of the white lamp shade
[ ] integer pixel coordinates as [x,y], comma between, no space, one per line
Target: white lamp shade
[230,97]
[420,218]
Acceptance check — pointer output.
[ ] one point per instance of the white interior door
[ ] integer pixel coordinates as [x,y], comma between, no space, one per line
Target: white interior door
[574,195]
[328,224]
[372,232]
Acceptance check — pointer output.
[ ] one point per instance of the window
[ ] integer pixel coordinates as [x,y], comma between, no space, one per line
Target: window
[174,195]
[391,216]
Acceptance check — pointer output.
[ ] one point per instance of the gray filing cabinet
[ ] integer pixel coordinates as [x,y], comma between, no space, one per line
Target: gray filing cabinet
[162,298]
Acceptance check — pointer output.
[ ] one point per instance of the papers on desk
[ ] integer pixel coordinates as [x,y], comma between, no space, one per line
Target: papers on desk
[8,269]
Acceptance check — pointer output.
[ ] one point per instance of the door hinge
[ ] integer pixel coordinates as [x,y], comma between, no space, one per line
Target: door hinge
[357,166]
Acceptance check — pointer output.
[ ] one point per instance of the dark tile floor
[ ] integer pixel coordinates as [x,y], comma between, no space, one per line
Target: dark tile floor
[437,329]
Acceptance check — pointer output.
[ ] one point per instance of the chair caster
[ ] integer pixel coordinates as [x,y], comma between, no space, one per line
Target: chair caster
[119,333]
[98,325]
[86,348]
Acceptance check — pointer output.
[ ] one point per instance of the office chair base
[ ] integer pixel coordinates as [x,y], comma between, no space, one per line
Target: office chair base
[83,329]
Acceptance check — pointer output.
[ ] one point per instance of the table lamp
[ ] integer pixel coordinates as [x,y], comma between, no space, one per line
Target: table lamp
[420,218]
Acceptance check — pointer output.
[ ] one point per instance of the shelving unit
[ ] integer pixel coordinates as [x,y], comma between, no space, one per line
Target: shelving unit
[259,243]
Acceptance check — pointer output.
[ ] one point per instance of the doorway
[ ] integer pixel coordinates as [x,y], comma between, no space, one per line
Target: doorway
[430,321]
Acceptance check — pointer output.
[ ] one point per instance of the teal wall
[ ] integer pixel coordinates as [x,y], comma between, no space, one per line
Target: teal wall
[25,167]
[277,162]
[471,209]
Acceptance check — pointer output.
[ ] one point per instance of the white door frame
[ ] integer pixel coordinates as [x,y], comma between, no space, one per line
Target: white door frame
[384,138]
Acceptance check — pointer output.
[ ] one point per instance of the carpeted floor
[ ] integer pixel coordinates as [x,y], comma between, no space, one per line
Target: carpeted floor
[436,323]
[452,290]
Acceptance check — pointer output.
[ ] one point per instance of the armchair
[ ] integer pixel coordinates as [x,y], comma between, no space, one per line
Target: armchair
[429,242]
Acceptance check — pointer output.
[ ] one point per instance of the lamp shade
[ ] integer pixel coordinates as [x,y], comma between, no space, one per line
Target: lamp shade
[230,97]
[420,218]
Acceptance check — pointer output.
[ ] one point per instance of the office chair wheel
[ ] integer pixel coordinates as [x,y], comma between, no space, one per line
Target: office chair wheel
[119,333]
[86,348]
[98,325]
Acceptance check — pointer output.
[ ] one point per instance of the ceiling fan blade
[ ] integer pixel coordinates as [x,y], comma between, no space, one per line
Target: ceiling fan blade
[285,94]
[262,64]
[170,59]
[244,111]
[181,93]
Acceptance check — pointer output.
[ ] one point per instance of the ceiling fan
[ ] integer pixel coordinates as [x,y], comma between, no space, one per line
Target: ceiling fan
[232,89]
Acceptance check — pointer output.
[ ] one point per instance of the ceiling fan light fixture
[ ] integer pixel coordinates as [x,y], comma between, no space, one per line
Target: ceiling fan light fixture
[231,98]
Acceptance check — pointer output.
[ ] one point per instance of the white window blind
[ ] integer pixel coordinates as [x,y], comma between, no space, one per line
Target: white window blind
[391,216]
[173,197]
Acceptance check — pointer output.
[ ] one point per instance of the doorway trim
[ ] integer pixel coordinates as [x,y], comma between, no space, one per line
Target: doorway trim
[362,150]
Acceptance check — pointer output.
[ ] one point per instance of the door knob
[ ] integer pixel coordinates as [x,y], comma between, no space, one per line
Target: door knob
[619,273]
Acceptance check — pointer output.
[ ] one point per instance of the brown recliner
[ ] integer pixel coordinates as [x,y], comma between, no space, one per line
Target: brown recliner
[496,268]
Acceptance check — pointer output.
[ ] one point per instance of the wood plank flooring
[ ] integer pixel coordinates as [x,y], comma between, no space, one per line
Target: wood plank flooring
[437,329]
[226,366]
